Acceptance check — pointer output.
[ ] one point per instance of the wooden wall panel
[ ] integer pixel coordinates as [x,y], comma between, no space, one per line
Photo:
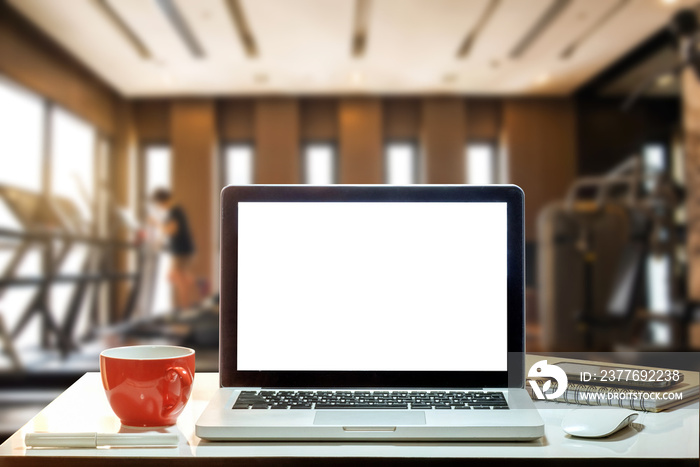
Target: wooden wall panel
[361,141]
[152,119]
[691,127]
[319,119]
[194,141]
[540,142]
[277,141]
[443,140]
[122,165]
[402,117]
[33,60]
[237,119]
[483,119]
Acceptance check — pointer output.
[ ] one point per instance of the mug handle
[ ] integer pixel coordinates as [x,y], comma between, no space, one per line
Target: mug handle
[185,378]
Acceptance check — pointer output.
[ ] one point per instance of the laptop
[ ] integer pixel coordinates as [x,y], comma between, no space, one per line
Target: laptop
[371,312]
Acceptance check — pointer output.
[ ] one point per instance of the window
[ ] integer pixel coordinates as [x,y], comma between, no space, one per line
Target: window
[21,139]
[21,136]
[654,162]
[238,164]
[480,164]
[319,164]
[157,166]
[158,174]
[73,180]
[654,158]
[401,163]
[659,274]
[72,160]
[102,221]
[71,169]
[659,277]
[22,123]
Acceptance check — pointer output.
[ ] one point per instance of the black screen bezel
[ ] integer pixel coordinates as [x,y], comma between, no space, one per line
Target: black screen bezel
[232,195]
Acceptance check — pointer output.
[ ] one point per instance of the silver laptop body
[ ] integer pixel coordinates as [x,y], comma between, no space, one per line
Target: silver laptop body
[371,312]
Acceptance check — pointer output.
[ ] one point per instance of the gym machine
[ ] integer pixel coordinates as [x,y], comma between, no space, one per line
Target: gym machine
[608,276]
[55,225]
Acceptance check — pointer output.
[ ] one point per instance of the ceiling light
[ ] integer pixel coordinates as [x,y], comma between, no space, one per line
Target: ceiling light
[240,23]
[356,77]
[571,49]
[118,22]
[359,35]
[181,27]
[470,39]
[260,78]
[546,19]
[449,78]
[664,80]
[668,2]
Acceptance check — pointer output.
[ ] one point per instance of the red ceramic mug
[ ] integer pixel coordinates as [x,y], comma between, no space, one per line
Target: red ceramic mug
[147,385]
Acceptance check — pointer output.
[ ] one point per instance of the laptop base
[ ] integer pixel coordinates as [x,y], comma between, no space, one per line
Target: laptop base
[219,422]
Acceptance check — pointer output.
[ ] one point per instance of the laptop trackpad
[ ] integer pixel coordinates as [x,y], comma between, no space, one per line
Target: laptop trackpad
[369,418]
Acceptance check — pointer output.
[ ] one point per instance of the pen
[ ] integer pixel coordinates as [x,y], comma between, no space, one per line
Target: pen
[93,440]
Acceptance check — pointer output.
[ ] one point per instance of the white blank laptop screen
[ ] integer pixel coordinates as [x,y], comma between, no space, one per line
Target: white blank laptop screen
[352,286]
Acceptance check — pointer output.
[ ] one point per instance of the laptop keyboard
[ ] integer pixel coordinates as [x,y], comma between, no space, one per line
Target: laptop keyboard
[423,400]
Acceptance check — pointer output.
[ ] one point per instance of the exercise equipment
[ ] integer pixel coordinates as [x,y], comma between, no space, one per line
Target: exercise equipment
[196,327]
[598,251]
[55,225]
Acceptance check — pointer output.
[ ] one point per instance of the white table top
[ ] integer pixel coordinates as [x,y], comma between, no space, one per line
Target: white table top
[84,407]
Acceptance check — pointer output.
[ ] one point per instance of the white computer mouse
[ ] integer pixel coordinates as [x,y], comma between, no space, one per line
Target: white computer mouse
[596,423]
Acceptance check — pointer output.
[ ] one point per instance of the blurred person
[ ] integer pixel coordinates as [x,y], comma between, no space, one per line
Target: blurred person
[175,227]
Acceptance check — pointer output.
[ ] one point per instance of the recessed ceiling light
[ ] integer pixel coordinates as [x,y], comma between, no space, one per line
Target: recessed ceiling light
[356,77]
[495,64]
[449,78]
[544,78]
[665,80]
